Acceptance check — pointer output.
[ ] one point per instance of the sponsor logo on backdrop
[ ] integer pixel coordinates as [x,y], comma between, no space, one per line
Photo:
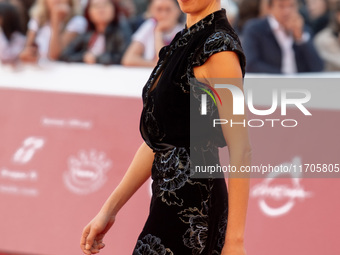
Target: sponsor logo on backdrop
[13,180]
[29,148]
[86,172]
[285,194]
[66,123]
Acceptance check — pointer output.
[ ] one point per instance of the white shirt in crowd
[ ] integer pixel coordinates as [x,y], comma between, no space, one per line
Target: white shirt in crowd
[328,46]
[286,43]
[77,24]
[145,35]
[10,49]
[98,47]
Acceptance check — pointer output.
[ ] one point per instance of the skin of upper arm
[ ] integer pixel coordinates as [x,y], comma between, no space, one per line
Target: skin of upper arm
[135,49]
[226,64]
[30,37]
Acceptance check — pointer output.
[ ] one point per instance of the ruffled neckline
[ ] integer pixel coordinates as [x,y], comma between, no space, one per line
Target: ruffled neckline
[206,21]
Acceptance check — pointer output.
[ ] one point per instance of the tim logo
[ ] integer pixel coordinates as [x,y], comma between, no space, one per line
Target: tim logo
[86,172]
[239,100]
[28,149]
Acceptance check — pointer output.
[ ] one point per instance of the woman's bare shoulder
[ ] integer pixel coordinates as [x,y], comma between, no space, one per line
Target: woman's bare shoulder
[224,64]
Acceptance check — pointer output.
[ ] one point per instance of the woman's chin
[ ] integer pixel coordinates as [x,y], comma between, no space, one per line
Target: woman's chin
[194,6]
[186,5]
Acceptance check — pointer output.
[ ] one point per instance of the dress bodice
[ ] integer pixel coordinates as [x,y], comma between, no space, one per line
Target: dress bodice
[165,118]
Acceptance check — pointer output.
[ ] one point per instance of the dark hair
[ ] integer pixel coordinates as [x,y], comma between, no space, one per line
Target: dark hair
[301,3]
[335,25]
[248,9]
[115,21]
[26,4]
[337,7]
[11,20]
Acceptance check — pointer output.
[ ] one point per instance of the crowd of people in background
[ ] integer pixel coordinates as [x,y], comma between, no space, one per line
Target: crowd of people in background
[278,36]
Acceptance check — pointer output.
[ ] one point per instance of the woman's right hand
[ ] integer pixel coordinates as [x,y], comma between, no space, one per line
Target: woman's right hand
[89,58]
[138,172]
[29,54]
[93,234]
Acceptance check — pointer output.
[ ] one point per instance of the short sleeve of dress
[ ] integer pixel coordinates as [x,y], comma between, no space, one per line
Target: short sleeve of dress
[217,42]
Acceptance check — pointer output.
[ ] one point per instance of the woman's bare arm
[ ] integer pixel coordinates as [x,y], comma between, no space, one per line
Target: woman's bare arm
[60,37]
[138,172]
[30,52]
[30,37]
[133,56]
[226,65]
[59,40]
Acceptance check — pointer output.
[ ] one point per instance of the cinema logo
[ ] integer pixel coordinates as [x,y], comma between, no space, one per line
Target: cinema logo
[86,172]
[238,105]
[276,195]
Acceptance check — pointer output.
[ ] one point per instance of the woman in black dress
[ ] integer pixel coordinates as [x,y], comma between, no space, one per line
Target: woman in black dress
[187,215]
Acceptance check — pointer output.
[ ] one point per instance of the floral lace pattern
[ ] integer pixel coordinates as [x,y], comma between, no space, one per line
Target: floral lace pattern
[197,234]
[171,171]
[151,245]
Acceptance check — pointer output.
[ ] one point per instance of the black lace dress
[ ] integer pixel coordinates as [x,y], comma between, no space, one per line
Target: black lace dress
[187,216]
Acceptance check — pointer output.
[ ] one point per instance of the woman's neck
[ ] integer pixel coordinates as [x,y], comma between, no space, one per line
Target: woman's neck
[100,28]
[193,18]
